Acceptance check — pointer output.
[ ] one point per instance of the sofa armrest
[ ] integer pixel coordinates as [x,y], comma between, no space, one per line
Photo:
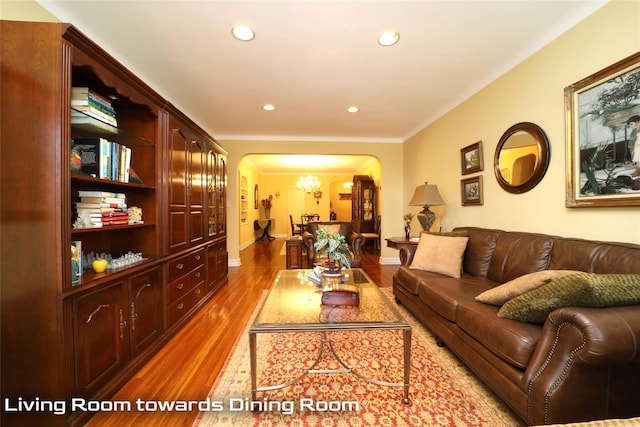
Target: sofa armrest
[309,240]
[585,358]
[406,254]
[356,243]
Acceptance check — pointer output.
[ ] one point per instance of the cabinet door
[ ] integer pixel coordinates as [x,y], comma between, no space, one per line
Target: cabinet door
[221,260]
[196,192]
[178,175]
[212,165]
[101,337]
[145,309]
[212,266]
[221,178]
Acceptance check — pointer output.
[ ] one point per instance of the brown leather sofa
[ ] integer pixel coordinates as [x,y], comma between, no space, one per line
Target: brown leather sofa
[344,228]
[583,364]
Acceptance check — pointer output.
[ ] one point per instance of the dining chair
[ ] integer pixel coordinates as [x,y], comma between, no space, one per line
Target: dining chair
[294,230]
[375,237]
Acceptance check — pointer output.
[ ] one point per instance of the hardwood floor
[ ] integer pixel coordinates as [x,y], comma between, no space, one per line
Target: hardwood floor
[186,368]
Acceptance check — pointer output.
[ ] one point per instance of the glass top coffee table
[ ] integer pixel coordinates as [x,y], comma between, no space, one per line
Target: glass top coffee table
[293,304]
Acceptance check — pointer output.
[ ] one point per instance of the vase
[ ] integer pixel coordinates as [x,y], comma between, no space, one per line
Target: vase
[407,231]
[267,213]
[329,279]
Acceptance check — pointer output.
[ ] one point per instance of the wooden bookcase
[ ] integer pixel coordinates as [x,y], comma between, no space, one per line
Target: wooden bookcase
[64,339]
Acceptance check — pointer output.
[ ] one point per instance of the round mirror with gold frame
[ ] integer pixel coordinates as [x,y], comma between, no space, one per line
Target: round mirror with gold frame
[522,157]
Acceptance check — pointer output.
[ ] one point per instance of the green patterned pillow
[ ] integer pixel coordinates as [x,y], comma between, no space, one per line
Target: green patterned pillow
[574,290]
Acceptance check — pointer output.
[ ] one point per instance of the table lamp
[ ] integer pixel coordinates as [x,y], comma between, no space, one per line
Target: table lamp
[426,195]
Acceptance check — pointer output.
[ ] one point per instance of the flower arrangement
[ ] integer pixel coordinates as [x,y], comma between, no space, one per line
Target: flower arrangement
[336,248]
[267,202]
[408,217]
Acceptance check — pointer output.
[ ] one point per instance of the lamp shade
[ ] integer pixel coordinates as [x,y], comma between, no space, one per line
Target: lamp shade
[426,195]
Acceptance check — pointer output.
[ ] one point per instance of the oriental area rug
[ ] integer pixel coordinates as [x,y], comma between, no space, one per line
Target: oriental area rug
[443,392]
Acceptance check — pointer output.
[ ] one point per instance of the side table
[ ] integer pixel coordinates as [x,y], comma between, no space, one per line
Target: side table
[294,253]
[398,242]
[263,224]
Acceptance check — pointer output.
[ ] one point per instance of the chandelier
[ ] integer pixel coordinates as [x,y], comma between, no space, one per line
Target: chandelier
[309,184]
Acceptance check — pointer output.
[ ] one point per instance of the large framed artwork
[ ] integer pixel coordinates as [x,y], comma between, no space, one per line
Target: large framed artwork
[603,137]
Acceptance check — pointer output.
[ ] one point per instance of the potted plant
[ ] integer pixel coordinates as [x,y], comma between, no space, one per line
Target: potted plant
[336,248]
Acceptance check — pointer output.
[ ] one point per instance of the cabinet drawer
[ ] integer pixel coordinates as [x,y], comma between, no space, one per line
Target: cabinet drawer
[197,259]
[197,276]
[180,308]
[178,267]
[197,294]
[179,288]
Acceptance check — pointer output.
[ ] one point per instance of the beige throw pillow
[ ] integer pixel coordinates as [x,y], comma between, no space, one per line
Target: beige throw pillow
[518,286]
[440,254]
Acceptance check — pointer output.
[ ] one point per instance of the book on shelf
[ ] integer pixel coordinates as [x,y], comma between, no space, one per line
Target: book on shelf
[91,98]
[98,193]
[93,155]
[133,177]
[103,202]
[85,97]
[103,159]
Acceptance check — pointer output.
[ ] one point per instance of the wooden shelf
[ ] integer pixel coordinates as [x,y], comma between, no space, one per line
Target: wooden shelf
[109,182]
[110,228]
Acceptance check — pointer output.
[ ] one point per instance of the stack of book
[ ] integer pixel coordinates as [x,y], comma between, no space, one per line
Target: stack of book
[102,208]
[86,102]
[105,159]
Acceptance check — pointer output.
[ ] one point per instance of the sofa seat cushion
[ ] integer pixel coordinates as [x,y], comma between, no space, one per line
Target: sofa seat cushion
[410,280]
[512,341]
[443,295]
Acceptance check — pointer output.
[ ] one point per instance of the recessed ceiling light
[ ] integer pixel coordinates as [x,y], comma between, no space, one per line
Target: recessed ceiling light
[389,38]
[268,107]
[353,109]
[242,32]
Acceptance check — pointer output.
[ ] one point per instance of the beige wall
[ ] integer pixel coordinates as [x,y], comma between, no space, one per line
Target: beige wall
[533,91]
[25,10]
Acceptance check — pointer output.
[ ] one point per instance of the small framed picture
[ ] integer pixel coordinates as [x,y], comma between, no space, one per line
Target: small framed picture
[471,191]
[471,160]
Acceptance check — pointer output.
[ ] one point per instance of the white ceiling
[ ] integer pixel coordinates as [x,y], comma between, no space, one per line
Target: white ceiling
[313,59]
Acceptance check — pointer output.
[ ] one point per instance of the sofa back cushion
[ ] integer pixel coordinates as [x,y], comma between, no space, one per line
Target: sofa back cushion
[517,254]
[480,247]
[340,227]
[595,257]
